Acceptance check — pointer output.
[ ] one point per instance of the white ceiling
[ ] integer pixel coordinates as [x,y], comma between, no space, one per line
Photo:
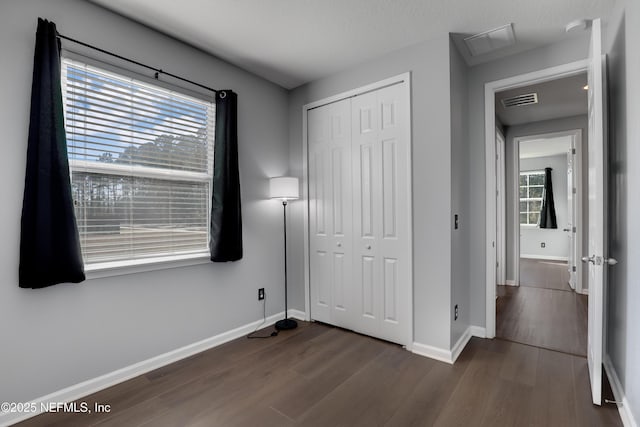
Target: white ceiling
[556,99]
[291,42]
[544,147]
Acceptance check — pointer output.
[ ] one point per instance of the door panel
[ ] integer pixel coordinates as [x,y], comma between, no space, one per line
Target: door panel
[571,259]
[329,138]
[381,183]
[596,213]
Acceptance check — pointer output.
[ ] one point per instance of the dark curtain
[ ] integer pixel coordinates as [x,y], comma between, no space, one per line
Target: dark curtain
[226,216]
[548,212]
[49,243]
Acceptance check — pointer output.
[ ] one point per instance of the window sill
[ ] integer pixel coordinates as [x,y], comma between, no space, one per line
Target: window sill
[120,268]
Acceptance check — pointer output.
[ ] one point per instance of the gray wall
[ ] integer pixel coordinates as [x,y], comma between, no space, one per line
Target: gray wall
[622,42]
[560,53]
[431,148]
[56,337]
[555,240]
[459,195]
[540,128]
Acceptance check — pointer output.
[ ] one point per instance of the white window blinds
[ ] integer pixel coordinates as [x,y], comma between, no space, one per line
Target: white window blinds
[141,160]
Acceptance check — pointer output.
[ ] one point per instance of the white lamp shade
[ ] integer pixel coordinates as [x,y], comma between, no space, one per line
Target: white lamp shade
[284,188]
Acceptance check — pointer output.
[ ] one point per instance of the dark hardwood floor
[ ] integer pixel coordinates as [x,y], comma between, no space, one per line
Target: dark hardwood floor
[317,375]
[540,273]
[543,311]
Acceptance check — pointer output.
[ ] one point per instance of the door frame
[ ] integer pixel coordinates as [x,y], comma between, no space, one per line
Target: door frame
[405,80]
[490,89]
[576,143]
[501,201]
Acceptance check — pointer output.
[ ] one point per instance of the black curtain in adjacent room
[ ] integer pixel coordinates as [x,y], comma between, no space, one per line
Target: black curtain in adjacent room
[226,216]
[49,242]
[548,212]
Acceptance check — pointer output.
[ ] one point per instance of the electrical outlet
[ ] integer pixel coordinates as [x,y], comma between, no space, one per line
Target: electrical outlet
[260,294]
[455,315]
[542,244]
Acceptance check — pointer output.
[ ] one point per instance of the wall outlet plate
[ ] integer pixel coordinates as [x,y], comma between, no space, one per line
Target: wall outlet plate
[455,315]
[260,294]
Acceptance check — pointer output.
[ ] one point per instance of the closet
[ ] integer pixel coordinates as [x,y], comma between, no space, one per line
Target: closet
[360,213]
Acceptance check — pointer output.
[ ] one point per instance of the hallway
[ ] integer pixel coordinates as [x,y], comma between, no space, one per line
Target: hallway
[543,311]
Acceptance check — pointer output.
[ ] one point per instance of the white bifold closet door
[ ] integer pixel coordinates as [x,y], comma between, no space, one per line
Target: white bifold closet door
[359,198]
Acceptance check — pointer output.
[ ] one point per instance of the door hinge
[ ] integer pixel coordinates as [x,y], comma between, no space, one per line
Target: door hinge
[575,190]
[573,151]
[574,229]
[574,269]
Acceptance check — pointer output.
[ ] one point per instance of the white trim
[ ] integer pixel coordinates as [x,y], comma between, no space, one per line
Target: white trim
[511,283]
[93,385]
[460,344]
[449,356]
[545,257]
[120,268]
[405,79]
[297,314]
[490,90]
[432,352]
[478,331]
[624,409]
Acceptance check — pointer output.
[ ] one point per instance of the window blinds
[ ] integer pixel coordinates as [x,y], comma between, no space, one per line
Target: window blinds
[141,160]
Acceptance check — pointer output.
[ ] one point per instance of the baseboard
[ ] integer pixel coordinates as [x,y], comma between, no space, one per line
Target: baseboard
[546,257]
[448,356]
[432,352]
[460,344]
[297,314]
[618,392]
[478,331]
[510,283]
[94,385]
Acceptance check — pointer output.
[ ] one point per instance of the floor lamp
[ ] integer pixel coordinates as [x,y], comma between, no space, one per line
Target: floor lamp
[284,188]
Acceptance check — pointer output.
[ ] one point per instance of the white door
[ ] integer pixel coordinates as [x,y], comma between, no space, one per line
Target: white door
[571,209]
[381,248]
[597,218]
[329,139]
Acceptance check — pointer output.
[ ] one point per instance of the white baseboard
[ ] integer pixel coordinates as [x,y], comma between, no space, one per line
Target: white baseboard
[448,356]
[618,392]
[432,352]
[511,283]
[85,388]
[545,257]
[478,331]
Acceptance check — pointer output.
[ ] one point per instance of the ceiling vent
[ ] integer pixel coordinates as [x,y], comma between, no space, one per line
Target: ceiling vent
[491,40]
[520,100]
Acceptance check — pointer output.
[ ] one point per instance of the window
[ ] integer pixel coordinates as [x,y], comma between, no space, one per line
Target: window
[141,160]
[531,191]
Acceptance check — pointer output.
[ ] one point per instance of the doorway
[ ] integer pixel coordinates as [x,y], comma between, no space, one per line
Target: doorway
[542,306]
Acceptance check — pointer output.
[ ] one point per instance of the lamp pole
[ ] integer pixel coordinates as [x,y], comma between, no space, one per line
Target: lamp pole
[286,323]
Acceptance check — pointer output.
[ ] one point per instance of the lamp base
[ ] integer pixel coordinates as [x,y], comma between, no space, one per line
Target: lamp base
[285,324]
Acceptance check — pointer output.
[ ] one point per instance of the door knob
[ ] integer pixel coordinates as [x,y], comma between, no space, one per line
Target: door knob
[566,229]
[368,246]
[591,259]
[611,261]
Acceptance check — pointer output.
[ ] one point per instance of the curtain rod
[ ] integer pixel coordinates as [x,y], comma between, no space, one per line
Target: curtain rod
[158,71]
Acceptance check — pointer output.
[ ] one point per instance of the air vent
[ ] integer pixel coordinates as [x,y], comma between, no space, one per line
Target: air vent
[498,38]
[520,100]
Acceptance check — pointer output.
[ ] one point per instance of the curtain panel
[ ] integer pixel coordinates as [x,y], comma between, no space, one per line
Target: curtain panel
[226,213]
[548,212]
[49,242]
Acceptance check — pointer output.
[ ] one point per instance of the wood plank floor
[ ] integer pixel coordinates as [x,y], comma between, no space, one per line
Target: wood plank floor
[543,311]
[544,274]
[317,375]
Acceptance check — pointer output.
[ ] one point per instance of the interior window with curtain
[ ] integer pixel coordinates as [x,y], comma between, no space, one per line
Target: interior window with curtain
[141,160]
